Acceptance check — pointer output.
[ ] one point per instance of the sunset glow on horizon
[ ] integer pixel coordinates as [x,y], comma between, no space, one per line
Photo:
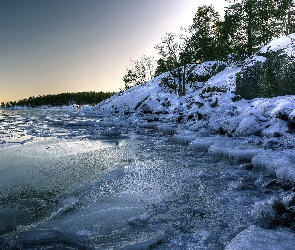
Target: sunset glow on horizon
[55,46]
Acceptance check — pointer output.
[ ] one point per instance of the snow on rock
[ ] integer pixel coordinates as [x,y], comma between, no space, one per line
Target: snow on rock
[283,107]
[223,81]
[230,125]
[285,43]
[248,126]
[263,239]
[127,100]
[275,128]
[249,62]
[206,68]
[291,116]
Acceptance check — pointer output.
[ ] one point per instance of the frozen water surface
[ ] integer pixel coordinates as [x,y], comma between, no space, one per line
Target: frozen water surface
[72,182]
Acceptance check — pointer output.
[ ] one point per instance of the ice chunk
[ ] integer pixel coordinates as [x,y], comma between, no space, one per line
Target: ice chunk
[185,137]
[270,160]
[147,244]
[263,239]
[166,129]
[80,123]
[112,132]
[204,143]
[286,175]
[236,149]
[201,144]
[281,163]
[264,215]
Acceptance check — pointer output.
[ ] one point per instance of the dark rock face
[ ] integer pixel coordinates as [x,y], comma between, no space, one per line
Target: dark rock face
[273,76]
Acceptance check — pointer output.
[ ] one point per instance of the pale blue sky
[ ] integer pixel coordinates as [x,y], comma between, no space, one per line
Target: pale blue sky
[55,46]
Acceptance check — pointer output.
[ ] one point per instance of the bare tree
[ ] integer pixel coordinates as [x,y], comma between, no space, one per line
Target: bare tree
[140,71]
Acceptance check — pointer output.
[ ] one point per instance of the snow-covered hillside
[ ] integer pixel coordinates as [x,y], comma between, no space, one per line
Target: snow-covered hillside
[211,108]
[258,131]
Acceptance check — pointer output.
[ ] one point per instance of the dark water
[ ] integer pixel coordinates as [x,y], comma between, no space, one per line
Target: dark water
[66,183]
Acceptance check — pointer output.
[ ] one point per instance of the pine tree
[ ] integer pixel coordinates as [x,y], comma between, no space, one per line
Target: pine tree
[290,22]
[249,24]
[204,32]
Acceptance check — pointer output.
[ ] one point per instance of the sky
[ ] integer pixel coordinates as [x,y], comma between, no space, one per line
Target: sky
[56,46]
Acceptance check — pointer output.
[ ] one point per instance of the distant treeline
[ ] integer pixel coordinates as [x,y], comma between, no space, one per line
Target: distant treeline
[80,98]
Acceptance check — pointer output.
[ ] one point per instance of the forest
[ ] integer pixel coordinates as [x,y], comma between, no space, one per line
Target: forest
[79,98]
[246,26]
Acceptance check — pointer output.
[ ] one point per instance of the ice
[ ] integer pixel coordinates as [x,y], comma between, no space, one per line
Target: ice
[204,143]
[263,239]
[147,244]
[112,132]
[148,163]
[54,163]
[185,137]
[10,219]
[264,215]
[236,149]
[286,175]
[79,123]
[140,190]
[167,129]
[279,163]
